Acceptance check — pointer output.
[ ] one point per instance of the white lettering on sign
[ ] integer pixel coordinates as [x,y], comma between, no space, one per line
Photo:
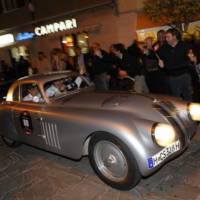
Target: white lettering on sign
[62,26]
[55,27]
[50,28]
[43,30]
[37,31]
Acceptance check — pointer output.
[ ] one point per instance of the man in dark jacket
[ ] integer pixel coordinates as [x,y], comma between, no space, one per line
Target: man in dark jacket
[174,60]
[130,70]
[99,66]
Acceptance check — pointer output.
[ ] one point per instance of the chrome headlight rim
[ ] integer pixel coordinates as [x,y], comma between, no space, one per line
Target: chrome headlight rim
[153,132]
[153,136]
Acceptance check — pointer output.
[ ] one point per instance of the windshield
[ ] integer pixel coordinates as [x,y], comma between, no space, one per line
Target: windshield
[65,85]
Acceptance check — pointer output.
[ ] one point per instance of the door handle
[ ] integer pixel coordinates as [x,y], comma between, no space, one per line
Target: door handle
[41,135]
[38,118]
[17,114]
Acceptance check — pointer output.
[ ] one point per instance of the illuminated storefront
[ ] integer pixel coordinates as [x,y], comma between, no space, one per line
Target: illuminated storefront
[18,51]
[65,32]
[6,40]
[69,42]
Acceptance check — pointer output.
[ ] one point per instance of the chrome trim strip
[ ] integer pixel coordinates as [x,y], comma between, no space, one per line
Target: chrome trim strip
[51,134]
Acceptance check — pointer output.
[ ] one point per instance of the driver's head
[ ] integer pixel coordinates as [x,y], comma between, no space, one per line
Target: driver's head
[58,83]
[33,90]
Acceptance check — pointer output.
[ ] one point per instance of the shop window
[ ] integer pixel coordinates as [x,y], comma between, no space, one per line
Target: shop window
[82,40]
[69,42]
[16,52]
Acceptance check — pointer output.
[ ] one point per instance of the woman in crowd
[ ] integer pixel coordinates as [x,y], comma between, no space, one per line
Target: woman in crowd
[194,56]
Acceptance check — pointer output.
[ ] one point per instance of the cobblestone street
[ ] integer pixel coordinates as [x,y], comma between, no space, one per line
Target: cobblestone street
[27,173]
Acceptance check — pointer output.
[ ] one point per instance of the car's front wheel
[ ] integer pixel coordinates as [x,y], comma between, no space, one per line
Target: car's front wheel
[10,142]
[113,162]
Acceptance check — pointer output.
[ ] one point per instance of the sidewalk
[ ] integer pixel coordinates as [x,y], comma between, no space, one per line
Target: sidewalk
[27,173]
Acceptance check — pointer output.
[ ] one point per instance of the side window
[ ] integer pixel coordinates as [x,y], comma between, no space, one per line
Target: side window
[16,94]
[31,93]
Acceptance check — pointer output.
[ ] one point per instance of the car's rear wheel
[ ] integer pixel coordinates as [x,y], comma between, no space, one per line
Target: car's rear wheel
[9,142]
[113,162]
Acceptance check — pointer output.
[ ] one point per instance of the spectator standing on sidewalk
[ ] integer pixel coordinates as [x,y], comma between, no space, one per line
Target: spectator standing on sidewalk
[129,70]
[99,66]
[194,56]
[174,60]
[154,74]
[23,66]
[43,65]
[81,61]
[161,40]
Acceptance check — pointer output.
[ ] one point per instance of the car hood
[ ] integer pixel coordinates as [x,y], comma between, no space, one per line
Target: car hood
[108,100]
[140,105]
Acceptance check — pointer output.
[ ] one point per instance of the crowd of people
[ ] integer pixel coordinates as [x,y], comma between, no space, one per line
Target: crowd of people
[168,66]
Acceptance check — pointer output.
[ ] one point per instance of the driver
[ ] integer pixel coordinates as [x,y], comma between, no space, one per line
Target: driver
[33,94]
[56,88]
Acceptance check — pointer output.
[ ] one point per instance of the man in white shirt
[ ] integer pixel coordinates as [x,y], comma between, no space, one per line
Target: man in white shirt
[33,94]
[55,89]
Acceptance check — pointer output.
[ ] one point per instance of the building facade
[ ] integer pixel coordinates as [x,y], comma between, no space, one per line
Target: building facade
[45,25]
[29,26]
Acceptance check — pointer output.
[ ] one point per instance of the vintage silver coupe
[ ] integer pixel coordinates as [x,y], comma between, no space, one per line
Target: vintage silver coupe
[125,134]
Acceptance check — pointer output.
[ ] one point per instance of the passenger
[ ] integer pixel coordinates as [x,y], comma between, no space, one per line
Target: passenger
[33,94]
[56,88]
[76,84]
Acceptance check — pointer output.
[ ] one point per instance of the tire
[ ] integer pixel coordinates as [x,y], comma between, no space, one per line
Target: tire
[9,142]
[113,162]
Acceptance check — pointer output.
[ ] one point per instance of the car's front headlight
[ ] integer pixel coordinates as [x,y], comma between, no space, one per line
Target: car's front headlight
[163,134]
[194,110]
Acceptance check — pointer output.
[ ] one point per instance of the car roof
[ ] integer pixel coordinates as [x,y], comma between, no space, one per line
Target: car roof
[45,77]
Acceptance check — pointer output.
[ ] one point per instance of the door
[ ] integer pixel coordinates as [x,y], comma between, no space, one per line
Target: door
[27,114]
[28,123]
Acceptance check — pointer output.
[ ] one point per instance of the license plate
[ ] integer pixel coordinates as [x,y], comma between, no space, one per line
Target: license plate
[163,154]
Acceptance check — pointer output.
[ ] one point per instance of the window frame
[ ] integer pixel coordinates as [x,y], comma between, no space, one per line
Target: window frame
[30,102]
[20,99]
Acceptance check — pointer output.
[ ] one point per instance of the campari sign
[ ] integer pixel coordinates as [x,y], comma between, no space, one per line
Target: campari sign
[56,27]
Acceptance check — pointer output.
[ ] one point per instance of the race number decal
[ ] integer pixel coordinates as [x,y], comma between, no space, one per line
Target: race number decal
[26,123]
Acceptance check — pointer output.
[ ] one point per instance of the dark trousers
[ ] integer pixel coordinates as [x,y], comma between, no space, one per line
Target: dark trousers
[181,86]
[100,81]
[156,82]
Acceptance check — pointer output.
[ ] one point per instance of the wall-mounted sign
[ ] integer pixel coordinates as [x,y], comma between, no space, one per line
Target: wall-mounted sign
[6,40]
[24,36]
[55,27]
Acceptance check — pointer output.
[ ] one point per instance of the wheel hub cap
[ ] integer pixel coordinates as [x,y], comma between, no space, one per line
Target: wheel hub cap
[110,160]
